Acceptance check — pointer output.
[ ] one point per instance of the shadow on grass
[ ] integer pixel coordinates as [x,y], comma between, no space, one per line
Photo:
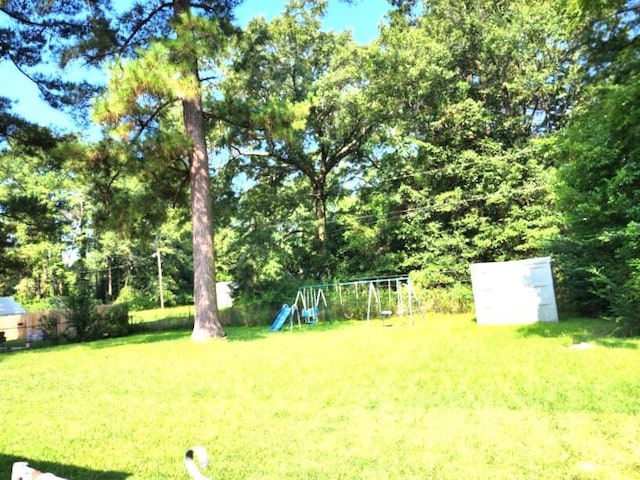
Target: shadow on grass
[234,334]
[172,328]
[61,470]
[133,339]
[139,338]
[163,331]
[599,332]
[247,334]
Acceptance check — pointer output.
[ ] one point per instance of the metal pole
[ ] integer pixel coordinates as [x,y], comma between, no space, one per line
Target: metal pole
[158,257]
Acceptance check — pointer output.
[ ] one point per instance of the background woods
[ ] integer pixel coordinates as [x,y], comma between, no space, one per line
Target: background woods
[462,132]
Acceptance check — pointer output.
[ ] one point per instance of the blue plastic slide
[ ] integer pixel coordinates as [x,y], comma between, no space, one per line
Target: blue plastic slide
[281,318]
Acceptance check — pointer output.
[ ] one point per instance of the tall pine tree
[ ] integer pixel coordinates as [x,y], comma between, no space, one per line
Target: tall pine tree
[175,36]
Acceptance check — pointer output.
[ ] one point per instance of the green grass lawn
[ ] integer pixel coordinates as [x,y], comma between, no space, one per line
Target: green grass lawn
[445,399]
[158,314]
[170,318]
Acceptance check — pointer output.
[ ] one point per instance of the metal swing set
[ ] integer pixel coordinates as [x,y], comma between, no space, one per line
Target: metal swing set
[308,304]
[385,297]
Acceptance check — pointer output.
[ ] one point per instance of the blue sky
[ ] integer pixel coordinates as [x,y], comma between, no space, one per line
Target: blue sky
[362,17]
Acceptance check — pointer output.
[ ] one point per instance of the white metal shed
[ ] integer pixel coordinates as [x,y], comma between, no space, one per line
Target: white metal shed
[8,306]
[223,293]
[515,292]
[11,318]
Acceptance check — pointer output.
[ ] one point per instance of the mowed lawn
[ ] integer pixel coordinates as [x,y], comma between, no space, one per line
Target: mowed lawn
[444,399]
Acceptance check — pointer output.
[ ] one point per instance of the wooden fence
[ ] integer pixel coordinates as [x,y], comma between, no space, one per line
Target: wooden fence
[33,325]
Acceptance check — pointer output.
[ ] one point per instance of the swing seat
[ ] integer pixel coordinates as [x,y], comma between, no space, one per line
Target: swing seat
[310,312]
[310,315]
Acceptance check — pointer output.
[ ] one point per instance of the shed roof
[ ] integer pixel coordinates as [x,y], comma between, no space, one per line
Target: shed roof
[8,306]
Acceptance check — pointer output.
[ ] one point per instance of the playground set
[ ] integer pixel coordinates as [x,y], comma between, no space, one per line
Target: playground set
[357,299]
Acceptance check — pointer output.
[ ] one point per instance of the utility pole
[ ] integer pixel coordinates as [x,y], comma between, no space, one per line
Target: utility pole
[159,259]
[109,281]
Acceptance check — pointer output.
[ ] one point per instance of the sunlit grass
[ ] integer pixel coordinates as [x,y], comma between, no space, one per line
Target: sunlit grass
[444,399]
[156,314]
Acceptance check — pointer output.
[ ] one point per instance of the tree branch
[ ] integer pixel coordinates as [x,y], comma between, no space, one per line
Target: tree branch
[154,114]
[138,26]
[32,79]
[26,21]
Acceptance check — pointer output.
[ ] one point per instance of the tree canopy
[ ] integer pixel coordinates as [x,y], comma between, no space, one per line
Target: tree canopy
[464,132]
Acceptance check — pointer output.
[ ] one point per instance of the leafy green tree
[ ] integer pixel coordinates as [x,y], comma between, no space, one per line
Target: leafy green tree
[270,243]
[467,90]
[34,35]
[178,35]
[297,114]
[131,205]
[597,157]
[607,32]
[598,184]
[35,208]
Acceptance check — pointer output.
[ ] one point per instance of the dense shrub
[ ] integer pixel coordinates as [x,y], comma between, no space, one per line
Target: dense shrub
[81,315]
[135,299]
[25,295]
[247,315]
[114,321]
[598,193]
[441,294]
[456,298]
[267,297]
[48,324]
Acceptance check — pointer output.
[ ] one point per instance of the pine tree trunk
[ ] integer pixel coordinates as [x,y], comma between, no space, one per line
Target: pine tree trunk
[207,323]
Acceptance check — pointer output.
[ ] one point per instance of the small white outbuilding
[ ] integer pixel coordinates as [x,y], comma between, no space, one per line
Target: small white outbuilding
[514,293]
[223,294]
[11,318]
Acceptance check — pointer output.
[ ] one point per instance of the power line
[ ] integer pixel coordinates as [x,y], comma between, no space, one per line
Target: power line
[413,210]
[371,218]
[451,165]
